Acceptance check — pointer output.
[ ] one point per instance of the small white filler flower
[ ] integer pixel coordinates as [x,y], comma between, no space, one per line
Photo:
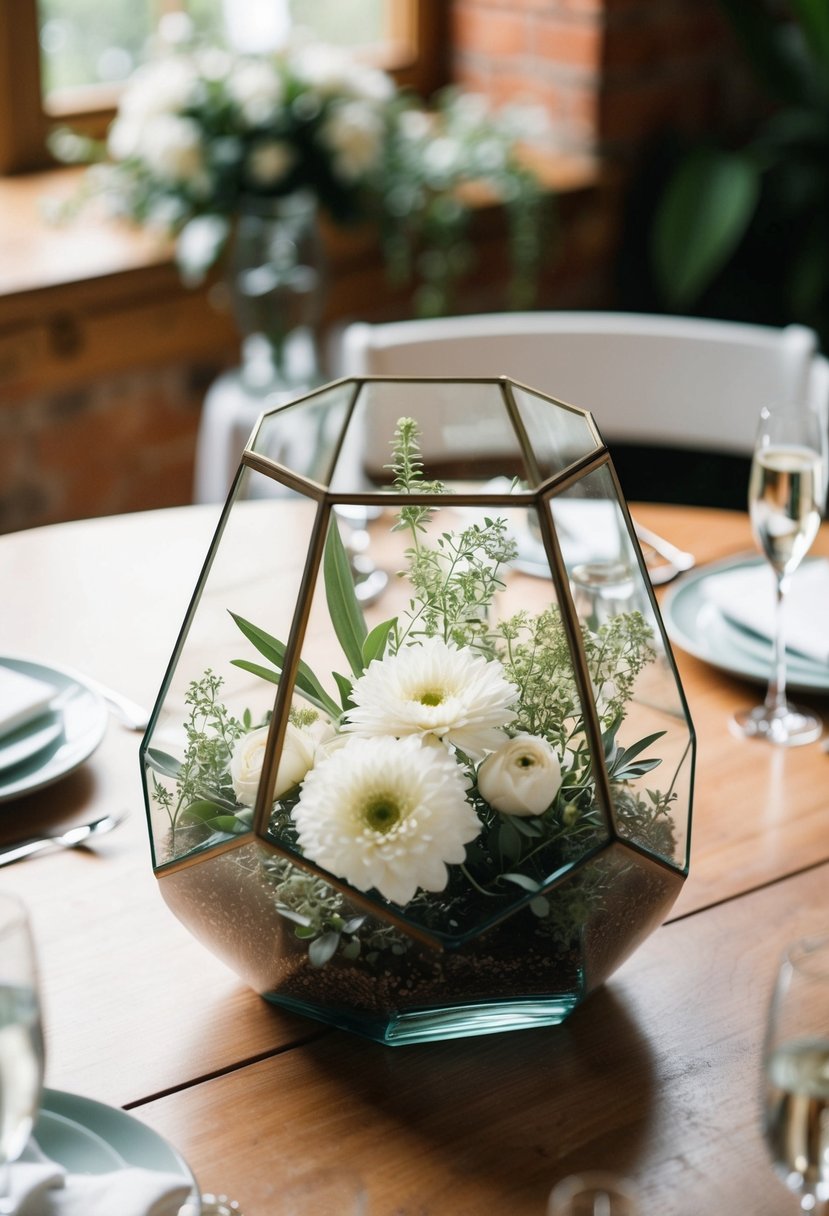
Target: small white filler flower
[436,691]
[388,814]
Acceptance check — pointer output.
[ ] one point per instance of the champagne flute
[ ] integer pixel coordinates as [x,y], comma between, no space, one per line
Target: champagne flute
[785,495]
[21,1039]
[796,1068]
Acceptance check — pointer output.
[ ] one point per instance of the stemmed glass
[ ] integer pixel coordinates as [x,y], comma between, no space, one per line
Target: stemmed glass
[786,498]
[796,1070]
[21,1039]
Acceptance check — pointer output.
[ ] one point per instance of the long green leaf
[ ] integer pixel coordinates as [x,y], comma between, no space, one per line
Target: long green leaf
[323,702]
[344,686]
[163,762]
[343,605]
[274,650]
[375,644]
[702,217]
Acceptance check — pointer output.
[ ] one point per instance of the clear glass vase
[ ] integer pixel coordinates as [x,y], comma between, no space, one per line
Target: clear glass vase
[276,278]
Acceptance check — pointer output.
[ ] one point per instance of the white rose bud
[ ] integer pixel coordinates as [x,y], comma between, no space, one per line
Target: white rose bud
[522,777]
[298,753]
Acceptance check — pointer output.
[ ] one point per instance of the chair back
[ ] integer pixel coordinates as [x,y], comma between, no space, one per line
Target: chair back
[655,380]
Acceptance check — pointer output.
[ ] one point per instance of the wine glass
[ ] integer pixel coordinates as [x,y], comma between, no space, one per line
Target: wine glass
[21,1038]
[595,1193]
[785,497]
[796,1070]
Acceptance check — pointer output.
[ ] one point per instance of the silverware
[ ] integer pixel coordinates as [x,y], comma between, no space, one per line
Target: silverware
[130,713]
[676,560]
[67,840]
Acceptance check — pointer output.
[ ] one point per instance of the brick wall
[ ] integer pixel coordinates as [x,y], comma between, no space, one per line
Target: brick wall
[123,443]
[610,73]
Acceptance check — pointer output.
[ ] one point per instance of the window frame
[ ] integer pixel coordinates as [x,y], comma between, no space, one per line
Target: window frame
[415,55]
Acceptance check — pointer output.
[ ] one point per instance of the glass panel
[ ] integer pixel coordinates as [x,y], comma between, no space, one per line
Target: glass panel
[559,434]
[406,762]
[466,435]
[635,684]
[196,798]
[305,436]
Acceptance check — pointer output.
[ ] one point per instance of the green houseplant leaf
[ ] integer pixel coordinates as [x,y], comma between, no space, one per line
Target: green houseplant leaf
[343,605]
[701,219]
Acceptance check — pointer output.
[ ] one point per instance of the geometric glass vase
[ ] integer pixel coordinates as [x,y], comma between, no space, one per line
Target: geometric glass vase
[421,765]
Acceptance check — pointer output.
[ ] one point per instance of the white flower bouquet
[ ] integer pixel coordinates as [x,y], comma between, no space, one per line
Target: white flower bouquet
[201,132]
[446,792]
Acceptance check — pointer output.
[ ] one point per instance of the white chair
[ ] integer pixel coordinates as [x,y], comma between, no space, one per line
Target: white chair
[656,380]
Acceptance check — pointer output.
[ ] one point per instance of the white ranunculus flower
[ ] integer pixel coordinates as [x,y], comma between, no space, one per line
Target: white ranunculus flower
[432,688]
[298,752]
[270,160]
[172,148]
[387,814]
[257,89]
[354,133]
[522,777]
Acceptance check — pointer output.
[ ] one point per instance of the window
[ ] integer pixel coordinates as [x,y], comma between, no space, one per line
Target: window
[63,60]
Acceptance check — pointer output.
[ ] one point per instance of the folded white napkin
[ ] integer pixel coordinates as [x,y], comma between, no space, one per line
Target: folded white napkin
[22,698]
[39,1187]
[746,596]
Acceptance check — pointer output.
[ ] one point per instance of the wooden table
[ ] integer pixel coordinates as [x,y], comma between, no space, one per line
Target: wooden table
[655,1076]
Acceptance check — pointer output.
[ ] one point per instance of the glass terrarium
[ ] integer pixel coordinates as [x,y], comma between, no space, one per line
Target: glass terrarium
[421,765]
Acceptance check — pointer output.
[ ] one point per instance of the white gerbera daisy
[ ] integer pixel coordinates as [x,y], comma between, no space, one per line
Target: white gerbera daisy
[433,689]
[388,814]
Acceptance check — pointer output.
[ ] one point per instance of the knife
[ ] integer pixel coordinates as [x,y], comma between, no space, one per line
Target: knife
[67,840]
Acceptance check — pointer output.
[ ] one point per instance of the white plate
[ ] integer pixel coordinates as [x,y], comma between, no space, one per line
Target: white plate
[697,625]
[91,1138]
[77,710]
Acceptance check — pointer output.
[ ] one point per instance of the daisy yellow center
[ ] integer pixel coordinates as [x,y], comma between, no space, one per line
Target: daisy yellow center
[382,813]
[431,697]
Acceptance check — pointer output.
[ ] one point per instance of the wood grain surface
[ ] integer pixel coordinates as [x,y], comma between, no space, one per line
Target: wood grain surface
[656,1075]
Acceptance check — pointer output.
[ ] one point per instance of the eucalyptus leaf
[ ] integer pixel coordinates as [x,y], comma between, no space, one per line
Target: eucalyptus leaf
[343,606]
[200,811]
[509,840]
[323,948]
[296,917]
[523,881]
[162,762]
[226,823]
[702,217]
